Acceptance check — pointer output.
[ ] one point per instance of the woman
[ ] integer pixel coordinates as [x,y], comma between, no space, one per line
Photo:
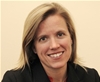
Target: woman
[49,49]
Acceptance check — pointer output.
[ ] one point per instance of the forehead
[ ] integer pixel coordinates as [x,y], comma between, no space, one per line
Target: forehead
[52,22]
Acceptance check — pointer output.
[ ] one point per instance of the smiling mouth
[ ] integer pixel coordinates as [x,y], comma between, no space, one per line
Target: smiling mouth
[56,55]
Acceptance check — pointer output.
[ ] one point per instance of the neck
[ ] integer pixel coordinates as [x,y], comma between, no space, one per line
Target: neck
[58,74]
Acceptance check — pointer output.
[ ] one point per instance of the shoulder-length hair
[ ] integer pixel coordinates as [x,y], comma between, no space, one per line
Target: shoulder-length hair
[32,22]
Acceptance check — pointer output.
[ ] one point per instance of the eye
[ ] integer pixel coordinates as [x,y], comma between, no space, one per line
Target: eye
[60,34]
[42,39]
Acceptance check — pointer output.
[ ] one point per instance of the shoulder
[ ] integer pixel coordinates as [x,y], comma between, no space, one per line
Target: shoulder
[85,73]
[91,72]
[86,70]
[10,76]
[88,73]
[20,75]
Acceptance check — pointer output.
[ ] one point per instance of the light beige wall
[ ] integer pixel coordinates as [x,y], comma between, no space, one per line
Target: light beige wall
[86,16]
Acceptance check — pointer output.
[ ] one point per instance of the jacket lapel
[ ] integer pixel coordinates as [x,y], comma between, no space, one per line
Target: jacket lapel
[72,76]
[39,74]
[26,74]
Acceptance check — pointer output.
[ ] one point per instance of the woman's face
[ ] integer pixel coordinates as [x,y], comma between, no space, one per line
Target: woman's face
[53,42]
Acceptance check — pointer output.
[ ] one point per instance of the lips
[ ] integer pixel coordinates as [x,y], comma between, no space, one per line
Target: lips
[55,55]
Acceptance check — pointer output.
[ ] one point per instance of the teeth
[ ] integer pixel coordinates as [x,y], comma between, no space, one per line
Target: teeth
[56,55]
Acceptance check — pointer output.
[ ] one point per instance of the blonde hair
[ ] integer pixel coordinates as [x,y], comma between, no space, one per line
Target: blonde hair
[32,22]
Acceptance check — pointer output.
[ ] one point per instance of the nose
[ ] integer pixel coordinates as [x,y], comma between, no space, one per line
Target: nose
[54,44]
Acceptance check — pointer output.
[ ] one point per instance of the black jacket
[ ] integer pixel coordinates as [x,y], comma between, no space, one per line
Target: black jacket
[75,73]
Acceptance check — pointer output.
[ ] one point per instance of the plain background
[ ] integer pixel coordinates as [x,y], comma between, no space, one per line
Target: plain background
[86,17]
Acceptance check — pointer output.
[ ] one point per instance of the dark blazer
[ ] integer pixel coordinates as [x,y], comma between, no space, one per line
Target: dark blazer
[75,73]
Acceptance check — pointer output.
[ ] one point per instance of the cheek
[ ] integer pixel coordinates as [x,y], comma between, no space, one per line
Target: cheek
[41,48]
[67,43]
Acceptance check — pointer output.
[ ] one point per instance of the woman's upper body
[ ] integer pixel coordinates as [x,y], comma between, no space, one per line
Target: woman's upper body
[49,36]
[75,73]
